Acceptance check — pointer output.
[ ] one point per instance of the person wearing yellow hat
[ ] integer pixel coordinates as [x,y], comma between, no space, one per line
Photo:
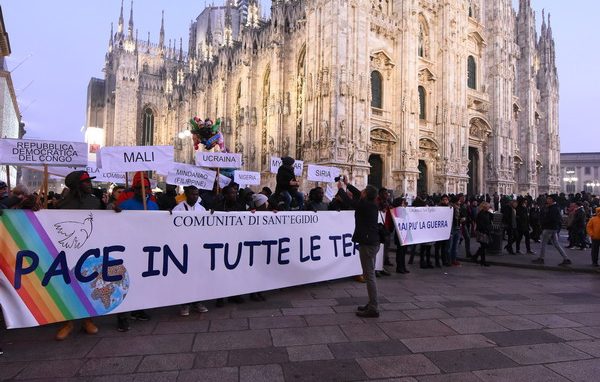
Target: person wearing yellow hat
[593,229]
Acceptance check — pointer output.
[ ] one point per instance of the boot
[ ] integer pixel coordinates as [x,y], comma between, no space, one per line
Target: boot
[89,327]
[64,331]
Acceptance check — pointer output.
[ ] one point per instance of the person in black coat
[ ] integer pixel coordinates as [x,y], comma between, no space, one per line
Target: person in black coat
[484,228]
[366,234]
[551,224]
[287,185]
[523,226]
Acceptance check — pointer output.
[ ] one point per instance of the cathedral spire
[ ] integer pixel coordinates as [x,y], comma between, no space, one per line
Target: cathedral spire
[209,37]
[161,39]
[180,49]
[120,24]
[110,39]
[130,29]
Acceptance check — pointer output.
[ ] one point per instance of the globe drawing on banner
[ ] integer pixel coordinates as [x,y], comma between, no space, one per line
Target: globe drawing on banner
[104,296]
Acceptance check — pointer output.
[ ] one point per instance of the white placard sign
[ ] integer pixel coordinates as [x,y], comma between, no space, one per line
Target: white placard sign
[224,181]
[188,175]
[276,163]
[39,152]
[248,178]
[330,192]
[416,225]
[322,173]
[135,158]
[105,176]
[218,160]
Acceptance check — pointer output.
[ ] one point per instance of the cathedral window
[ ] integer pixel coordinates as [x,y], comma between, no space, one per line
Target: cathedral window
[422,104]
[148,127]
[376,90]
[471,73]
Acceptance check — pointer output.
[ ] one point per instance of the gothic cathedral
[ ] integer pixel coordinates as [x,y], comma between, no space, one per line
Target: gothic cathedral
[414,95]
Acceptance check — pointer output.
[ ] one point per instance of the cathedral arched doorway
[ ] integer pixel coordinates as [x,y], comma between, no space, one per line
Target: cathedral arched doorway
[473,172]
[422,181]
[376,173]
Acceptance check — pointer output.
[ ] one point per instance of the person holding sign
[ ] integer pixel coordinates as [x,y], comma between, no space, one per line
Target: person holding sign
[79,197]
[366,234]
[287,185]
[191,202]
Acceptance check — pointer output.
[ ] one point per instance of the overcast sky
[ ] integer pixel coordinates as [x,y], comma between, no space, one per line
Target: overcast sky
[57,46]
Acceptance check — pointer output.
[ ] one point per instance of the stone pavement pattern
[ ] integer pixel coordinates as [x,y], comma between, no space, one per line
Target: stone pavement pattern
[464,324]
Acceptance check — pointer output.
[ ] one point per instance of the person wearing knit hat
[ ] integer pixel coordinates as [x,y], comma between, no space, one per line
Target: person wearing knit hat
[79,197]
[261,202]
[287,185]
[593,229]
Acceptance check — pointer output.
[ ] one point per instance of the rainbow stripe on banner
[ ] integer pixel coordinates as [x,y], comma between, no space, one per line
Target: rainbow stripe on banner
[58,301]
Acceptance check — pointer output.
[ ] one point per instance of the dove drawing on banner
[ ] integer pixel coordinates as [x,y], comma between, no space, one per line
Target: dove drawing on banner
[75,233]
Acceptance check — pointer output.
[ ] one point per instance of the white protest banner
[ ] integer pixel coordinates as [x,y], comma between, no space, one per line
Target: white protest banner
[188,175]
[224,180]
[416,225]
[248,178]
[218,160]
[40,152]
[70,264]
[322,173]
[135,158]
[276,163]
[104,176]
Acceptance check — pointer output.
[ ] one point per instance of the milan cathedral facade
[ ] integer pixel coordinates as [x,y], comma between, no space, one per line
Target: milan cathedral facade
[414,95]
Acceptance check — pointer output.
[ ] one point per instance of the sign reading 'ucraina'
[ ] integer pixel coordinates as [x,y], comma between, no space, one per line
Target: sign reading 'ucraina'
[37,152]
[218,160]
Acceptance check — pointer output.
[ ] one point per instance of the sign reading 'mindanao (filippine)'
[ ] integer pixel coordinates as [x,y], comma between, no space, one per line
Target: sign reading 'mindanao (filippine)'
[218,160]
[69,264]
[40,152]
[416,225]
[135,158]
[188,175]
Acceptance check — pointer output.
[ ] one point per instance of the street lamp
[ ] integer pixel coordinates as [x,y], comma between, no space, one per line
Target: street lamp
[570,180]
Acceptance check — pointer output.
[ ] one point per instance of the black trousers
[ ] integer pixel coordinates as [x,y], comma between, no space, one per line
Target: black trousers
[520,236]
[595,250]
[480,253]
[401,258]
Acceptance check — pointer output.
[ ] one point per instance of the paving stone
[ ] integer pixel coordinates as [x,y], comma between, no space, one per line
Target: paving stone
[307,336]
[48,369]
[492,311]
[210,359]
[522,337]
[368,349]
[257,356]
[363,332]
[266,373]
[397,366]
[452,377]
[578,371]
[429,344]
[552,321]
[163,376]
[472,325]
[429,304]
[330,293]
[587,319]
[426,314]
[228,325]
[222,374]
[112,365]
[314,302]
[516,322]
[247,339]
[40,350]
[142,345]
[460,304]
[277,322]
[167,362]
[569,334]
[333,319]
[469,360]
[250,313]
[329,370]
[543,353]
[109,378]
[278,304]
[580,308]
[309,353]
[464,312]
[389,316]
[10,370]
[593,331]
[307,311]
[356,301]
[532,309]
[504,297]
[416,329]
[591,347]
[524,373]
[397,306]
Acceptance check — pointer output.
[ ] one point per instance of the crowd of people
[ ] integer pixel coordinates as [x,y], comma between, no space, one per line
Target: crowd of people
[524,219]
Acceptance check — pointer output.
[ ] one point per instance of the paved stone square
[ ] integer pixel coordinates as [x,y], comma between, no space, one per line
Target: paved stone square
[465,323]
